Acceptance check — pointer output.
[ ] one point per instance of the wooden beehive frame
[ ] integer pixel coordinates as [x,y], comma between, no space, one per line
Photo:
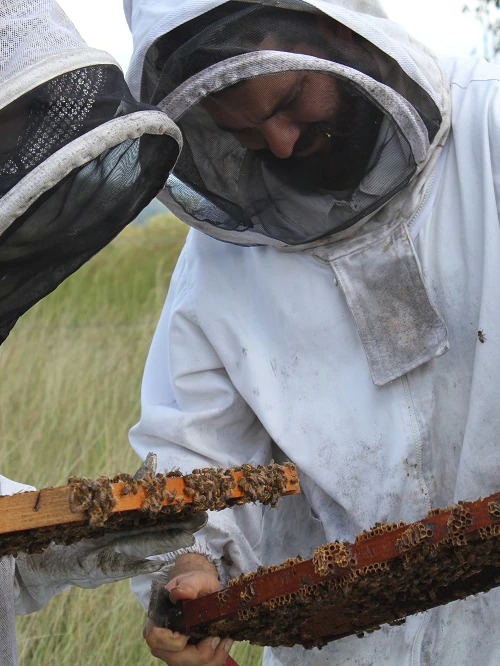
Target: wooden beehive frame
[390,572]
[30,520]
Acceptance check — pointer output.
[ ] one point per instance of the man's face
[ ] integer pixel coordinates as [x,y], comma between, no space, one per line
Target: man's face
[277,112]
[303,124]
[306,125]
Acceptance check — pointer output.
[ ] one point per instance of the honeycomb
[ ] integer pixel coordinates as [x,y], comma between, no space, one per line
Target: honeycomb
[379,529]
[388,573]
[245,614]
[416,534]
[328,559]
[247,594]
[494,509]
[222,597]
[245,578]
[459,520]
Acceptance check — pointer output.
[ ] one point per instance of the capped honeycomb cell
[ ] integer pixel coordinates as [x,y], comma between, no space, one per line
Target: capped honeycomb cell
[414,536]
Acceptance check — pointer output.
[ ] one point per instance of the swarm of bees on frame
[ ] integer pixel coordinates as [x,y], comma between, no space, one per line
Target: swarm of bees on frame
[209,489]
[92,497]
[353,600]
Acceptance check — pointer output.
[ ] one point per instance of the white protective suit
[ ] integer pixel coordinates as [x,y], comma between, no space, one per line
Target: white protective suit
[14,598]
[257,354]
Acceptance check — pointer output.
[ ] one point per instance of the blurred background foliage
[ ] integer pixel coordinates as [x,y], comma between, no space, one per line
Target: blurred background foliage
[487,12]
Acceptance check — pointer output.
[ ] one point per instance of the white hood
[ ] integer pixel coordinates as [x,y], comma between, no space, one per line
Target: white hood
[150,19]
[399,326]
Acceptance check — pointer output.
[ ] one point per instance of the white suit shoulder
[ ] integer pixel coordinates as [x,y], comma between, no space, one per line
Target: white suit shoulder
[473,165]
[462,72]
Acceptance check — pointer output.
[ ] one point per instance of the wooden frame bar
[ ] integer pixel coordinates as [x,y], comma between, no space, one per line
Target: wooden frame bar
[388,573]
[52,507]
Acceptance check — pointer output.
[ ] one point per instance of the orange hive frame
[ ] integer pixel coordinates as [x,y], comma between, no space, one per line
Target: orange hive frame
[31,520]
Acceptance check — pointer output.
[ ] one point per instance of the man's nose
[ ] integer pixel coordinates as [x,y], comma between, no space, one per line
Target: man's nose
[281,136]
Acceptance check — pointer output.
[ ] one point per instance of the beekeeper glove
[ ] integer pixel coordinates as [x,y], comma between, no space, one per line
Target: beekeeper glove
[93,562]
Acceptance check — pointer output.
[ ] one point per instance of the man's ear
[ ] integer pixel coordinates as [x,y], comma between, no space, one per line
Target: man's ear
[328,27]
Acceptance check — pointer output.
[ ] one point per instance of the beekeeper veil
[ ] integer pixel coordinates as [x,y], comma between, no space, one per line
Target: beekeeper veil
[79,157]
[301,122]
[295,127]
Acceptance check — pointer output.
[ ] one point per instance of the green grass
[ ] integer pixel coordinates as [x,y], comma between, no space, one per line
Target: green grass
[71,373]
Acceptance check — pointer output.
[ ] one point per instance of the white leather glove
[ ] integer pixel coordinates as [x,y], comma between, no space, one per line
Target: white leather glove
[93,562]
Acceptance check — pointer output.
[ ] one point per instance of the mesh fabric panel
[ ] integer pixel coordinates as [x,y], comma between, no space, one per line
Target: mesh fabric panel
[70,223]
[361,157]
[79,156]
[236,28]
[89,202]
[31,30]
[295,200]
[57,112]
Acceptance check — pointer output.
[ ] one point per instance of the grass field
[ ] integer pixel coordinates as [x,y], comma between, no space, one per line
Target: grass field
[71,373]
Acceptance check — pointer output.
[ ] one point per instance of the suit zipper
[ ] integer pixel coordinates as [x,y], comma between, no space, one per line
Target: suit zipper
[417,439]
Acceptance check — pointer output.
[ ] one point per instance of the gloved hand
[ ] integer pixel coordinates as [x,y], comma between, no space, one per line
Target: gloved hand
[93,562]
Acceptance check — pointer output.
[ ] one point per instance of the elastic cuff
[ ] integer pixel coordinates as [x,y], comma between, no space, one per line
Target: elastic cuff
[200,550]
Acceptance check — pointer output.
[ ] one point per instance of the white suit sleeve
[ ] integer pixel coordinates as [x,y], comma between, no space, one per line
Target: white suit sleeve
[193,417]
[26,600]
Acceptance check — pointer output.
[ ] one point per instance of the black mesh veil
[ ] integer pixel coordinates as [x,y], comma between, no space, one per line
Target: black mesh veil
[294,128]
[236,28]
[79,159]
[55,113]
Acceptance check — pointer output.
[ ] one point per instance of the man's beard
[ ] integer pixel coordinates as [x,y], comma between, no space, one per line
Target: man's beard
[342,161]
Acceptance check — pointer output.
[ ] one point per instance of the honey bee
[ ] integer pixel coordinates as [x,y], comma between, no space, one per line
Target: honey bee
[172,495]
[156,506]
[173,473]
[481,336]
[130,486]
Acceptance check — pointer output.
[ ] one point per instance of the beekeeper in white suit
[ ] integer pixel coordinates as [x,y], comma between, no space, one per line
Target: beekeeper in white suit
[79,158]
[355,182]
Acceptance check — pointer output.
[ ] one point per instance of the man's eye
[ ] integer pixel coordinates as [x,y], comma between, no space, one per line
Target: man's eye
[289,104]
[293,100]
